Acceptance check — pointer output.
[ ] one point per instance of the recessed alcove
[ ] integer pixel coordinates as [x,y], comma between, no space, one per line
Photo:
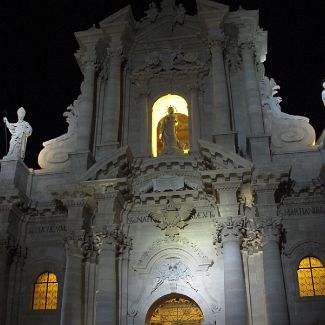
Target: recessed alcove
[160,111]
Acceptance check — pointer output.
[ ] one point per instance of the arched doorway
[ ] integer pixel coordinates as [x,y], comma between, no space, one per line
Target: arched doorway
[159,111]
[175,310]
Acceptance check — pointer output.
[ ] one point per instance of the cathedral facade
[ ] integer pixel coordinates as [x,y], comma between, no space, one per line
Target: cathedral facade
[180,193]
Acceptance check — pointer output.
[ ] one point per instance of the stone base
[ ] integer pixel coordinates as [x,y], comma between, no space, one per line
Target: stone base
[258,148]
[227,140]
[81,162]
[14,174]
[106,149]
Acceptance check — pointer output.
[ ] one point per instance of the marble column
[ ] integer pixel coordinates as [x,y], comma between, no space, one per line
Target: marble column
[86,101]
[71,310]
[221,101]
[106,297]
[236,312]
[275,295]
[111,118]
[252,89]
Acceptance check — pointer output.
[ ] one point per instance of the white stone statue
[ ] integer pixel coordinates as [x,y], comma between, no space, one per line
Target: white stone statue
[20,131]
[171,145]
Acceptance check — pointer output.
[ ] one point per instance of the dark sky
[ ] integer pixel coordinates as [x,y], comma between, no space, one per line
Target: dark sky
[39,72]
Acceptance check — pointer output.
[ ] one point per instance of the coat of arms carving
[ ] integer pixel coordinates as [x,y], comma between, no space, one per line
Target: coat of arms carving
[171,219]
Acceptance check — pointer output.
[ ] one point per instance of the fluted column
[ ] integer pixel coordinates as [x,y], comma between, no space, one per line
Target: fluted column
[252,89]
[86,101]
[234,283]
[275,295]
[71,310]
[223,124]
[111,116]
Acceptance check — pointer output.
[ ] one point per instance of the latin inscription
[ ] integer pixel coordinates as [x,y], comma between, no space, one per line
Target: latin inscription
[133,219]
[47,229]
[301,211]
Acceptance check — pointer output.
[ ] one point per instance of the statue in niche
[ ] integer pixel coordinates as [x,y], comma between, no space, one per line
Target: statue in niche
[167,134]
[20,131]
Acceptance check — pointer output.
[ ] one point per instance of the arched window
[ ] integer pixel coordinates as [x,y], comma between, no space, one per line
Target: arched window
[45,292]
[311,277]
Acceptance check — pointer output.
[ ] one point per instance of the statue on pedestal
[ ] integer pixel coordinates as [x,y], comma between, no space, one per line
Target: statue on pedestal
[171,144]
[20,131]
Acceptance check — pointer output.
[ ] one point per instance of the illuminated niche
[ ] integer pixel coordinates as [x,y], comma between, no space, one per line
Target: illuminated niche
[311,277]
[159,111]
[177,310]
[45,292]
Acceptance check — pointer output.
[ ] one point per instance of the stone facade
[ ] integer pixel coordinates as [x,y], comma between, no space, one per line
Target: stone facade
[224,225]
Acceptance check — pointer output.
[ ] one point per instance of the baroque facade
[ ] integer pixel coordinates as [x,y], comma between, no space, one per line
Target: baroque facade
[180,194]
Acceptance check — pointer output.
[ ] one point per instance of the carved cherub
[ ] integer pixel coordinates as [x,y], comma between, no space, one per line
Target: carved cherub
[172,219]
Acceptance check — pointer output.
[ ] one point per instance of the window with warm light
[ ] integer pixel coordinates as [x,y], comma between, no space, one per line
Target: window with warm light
[311,277]
[45,292]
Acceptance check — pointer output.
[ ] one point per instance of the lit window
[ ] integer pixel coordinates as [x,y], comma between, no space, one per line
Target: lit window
[45,292]
[311,277]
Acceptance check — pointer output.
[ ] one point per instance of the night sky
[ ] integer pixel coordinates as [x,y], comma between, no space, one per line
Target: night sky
[39,72]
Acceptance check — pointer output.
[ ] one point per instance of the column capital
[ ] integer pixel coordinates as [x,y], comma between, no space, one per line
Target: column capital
[230,230]
[115,52]
[272,229]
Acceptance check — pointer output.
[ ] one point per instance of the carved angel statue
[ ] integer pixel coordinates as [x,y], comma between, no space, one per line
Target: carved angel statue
[171,145]
[172,219]
[20,131]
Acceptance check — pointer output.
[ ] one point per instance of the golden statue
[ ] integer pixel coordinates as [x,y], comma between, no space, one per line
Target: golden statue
[167,134]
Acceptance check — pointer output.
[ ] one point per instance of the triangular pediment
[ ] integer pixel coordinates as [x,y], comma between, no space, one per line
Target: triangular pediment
[211,6]
[124,14]
[165,28]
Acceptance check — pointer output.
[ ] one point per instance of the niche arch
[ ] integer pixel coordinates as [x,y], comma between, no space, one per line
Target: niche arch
[160,110]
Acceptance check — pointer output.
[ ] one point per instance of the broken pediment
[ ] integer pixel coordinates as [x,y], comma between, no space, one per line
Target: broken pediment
[111,166]
[216,158]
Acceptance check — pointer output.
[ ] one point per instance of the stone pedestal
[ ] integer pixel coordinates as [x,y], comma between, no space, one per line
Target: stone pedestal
[227,140]
[258,148]
[14,174]
[81,162]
